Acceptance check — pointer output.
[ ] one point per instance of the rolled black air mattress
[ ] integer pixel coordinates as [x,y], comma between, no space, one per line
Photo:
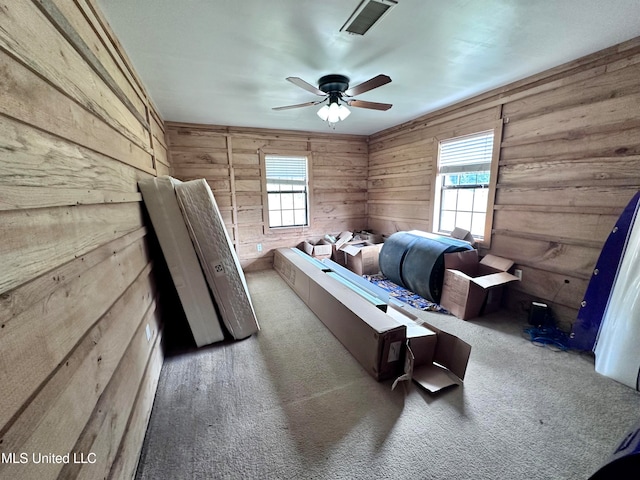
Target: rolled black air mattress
[415,260]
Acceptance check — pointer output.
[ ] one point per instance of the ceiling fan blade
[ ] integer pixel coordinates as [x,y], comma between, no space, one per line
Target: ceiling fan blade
[307,104]
[307,86]
[370,84]
[370,105]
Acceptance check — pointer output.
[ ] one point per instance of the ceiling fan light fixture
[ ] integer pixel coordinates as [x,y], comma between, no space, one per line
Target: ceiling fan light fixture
[343,112]
[334,112]
[323,113]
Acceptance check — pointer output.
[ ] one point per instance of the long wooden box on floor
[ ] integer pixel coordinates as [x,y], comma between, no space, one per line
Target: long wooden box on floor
[385,344]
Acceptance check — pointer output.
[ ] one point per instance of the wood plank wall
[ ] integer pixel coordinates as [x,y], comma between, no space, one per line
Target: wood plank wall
[229,159]
[80,327]
[569,164]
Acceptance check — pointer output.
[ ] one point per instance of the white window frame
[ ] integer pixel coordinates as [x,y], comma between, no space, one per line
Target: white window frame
[264,156]
[439,172]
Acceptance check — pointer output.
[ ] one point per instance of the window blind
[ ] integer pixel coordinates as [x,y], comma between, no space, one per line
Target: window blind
[471,153]
[286,170]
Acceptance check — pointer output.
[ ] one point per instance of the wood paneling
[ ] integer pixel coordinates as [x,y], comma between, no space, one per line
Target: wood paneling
[79,291]
[569,163]
[37,43]
[402,162]
[229,158]
[78,286]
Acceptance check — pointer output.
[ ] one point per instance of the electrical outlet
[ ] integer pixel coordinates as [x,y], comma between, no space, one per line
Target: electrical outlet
[259,247]
[518,273]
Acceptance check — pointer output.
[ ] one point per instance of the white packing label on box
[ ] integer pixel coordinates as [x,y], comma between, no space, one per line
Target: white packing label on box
[394,351]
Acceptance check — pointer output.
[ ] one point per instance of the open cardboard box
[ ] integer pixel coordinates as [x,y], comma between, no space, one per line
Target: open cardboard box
[362,257]
[337,255]
[366,236]
[462,234]
[472,287]
[318,249]
[343,238]
[434,359]
[384,342]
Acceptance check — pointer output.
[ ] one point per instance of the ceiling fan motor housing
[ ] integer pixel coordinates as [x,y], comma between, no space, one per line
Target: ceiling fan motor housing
[333,84]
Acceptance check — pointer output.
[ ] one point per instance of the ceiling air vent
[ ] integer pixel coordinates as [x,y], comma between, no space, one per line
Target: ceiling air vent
[366,15]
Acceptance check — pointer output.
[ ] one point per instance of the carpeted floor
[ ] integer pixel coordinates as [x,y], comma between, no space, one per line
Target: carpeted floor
[291,403]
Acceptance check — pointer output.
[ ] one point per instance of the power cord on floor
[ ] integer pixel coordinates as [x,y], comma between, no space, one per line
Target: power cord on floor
[548,336]
[544,331]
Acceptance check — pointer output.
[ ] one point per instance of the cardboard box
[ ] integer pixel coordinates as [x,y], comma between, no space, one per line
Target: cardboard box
[434,359]
[372,337]
[472,287]
[320,249]
[362,257]
[343,238]
[380,341]
[337,255]
[462,234]
[367,237]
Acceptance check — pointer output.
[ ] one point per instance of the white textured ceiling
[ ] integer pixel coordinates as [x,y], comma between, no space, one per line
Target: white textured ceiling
[224,62]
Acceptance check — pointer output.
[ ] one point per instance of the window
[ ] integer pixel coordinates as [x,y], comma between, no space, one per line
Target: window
[287,190]
[463,189]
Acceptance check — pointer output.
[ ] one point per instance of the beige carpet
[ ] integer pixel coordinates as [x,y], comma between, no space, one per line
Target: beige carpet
[291,403]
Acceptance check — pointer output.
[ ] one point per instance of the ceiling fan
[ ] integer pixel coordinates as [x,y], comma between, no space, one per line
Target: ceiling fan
[336,92]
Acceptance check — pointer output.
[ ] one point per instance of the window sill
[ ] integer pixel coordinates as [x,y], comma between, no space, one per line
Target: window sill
[276,230]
